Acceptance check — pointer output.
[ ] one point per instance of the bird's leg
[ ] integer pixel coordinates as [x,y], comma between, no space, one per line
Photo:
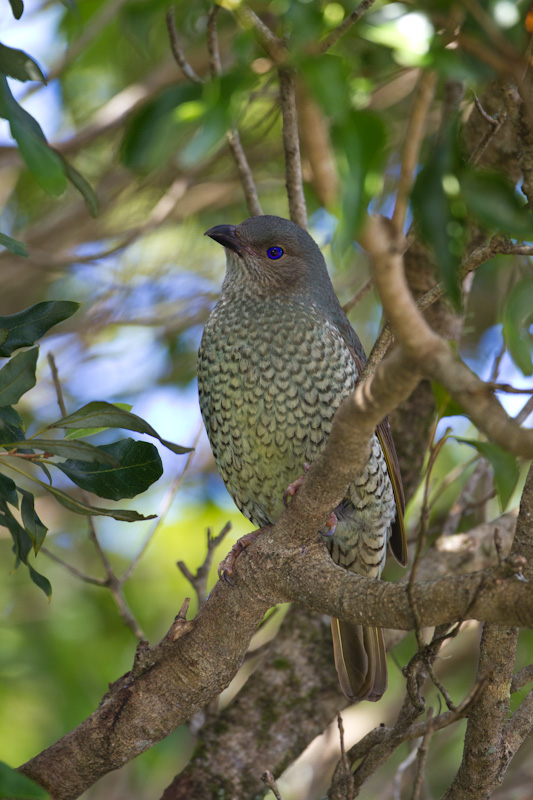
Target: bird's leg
[291,490]
[225,568]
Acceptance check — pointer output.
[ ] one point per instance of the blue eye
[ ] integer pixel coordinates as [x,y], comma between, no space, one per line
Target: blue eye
[274,253]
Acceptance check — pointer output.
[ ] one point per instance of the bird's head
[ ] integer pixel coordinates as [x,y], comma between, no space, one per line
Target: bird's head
[270,253]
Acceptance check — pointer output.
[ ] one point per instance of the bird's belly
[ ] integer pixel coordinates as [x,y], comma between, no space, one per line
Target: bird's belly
[268,408]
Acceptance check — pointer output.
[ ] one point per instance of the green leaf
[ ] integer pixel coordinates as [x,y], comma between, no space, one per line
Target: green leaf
[432,209]
[496,203]
[139,466]
[18,64]
[78,507]
[44,164]
[78,433]
[18,376]
[504,465]
[26,327]
[447,406]
[83,186]
[8,490]
[83,451]
[22,546]
[14,785]
[359,139]
[17,7]
[100,414]
[11,425]
[34,527]
[517,319]
[16,247]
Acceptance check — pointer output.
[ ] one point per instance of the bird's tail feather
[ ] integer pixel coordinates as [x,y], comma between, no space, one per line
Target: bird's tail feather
[360,659]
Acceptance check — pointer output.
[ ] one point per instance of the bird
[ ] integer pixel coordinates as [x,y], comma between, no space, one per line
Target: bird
[278,356]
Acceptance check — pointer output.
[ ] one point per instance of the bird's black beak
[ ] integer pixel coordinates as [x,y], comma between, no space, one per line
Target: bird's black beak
[225,235]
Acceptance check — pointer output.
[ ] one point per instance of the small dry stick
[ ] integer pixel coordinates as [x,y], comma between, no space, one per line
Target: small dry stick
[215,66]
[268,780]
[413,141]
[57,384]
[73,570]
[199,581]
[398,778]
[177,52]
[291,146]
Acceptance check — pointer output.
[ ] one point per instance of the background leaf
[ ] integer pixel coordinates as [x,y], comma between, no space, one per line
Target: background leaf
[517,319]
[16,247]
[18,64]
[15,786]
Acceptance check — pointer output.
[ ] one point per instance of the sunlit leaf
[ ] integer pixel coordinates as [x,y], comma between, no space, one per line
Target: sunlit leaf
[106,415]
[447,406]
[139,465]
[14,785]
[18,64]
[79,507]
[517,319]
[18,376]
[83,186]
[16,247]
[504,465]
[79,433]
[26,327]
[83,451]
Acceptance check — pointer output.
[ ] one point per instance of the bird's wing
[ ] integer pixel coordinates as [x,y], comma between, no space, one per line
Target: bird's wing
[398,541]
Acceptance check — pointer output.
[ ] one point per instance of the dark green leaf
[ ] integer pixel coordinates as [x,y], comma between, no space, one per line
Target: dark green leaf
[83,451]
[11,425]
[106,415]
[34,527]
[8,490]
[121,514]
[495,202]
[83,186]
[504,465]
[17,7]
[139,467]
[16,247]
[432,209]
[22,546]
[27,326]
[14,785]
[359,140]
[18,376]
[44,164]
[78,433]
[18,64]
[517,318]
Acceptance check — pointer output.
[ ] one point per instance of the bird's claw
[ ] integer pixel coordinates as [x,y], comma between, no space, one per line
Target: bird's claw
[225,568]
[293,487]
[331,524]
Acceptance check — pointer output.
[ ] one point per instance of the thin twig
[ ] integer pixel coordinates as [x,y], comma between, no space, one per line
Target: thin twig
[413,141]
[57,384]
[248,19]
[215,67]
[167,502]
[199,581]
[522,678]
[422,757]
[525,412]
[177,52]
[76,572]
[358,296]
[333,37]
[402,767]
[291,147]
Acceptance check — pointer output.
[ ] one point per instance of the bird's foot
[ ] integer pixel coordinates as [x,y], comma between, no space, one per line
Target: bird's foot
[225,568]
[329,528]
[293,487]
